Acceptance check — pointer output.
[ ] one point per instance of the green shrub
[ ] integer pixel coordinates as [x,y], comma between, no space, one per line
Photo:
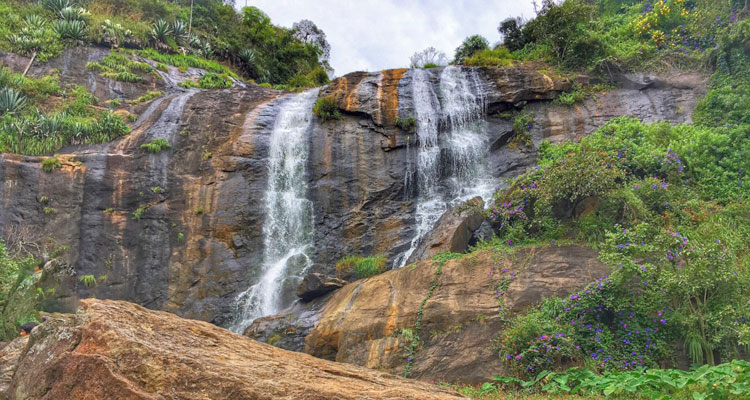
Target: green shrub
[138,213]
[407,124]
[361,267]
[11,101]
[20,296]
[150,95]
[51,164]
[215,81]
[326,109]
[577,95]
[522,125]
[498,57]
[318,76]
[470,45]
[88,280]
[156,146]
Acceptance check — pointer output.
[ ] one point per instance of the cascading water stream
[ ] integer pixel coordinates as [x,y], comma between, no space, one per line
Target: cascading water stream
[452,146]
[287,231]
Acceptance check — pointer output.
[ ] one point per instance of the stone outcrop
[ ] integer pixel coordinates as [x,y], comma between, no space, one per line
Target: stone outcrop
[315,285]
[364,323]
[118,350]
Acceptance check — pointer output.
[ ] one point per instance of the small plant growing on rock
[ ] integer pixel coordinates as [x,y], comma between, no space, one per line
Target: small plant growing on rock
[88,280]
[200,211]
[361,267]
[207,155]
[49,210]
[181,237]
[139,212]
[157,190]
[326,109]
[51,164]
[44,199]
[522,129]
[156,146]
[274,339]
[407,124]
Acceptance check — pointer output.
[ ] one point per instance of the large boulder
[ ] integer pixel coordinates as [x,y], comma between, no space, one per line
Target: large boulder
[118,350]
[370,322]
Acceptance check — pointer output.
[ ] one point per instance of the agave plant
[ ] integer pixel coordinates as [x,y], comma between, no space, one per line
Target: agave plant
[11,101]
[74,31]
[115,34]
[35,22]
[202,48]
[74,14]
[57,5]
[179,30]
[160,32]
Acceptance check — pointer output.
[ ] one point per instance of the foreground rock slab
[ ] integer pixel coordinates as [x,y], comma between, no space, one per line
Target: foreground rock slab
[118,350]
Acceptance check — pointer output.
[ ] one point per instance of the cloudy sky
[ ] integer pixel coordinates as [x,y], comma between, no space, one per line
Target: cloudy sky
[370,35]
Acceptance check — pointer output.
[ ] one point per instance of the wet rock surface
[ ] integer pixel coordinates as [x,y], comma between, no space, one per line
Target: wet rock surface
[118,350]
[315,285]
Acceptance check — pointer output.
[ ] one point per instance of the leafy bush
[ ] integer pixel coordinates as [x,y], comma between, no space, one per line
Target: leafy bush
[577,95]
[522,125]
[725,381]
[326,109]
[51,164]
[407,124]
[20,297]
[215,81]
[470,45]
[156,146]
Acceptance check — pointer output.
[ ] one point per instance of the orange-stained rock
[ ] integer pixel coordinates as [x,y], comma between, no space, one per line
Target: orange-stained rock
[118,350]
[362,323]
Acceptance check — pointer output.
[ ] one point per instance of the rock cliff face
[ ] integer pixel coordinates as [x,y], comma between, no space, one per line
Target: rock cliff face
[364,323]
[197,241]
[118,350]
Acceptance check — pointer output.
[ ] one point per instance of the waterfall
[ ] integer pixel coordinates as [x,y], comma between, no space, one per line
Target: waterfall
[287,231]
[451,165]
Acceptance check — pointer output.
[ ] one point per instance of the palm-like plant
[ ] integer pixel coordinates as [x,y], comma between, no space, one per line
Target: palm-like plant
[160,33]
[179,31]
[74,31]
[57,5]
[74,14]
[11,101]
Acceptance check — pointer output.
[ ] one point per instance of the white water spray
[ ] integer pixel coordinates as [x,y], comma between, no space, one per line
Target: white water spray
[287,231]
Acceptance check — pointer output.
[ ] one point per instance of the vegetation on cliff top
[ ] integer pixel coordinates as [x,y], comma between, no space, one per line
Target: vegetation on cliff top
[209,30]
[609,35]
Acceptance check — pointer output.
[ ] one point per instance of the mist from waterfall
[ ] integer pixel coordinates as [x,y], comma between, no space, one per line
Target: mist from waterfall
[452,145]
[288,228]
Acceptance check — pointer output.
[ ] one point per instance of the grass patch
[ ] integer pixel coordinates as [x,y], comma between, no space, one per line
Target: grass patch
[361,267]
[156,146]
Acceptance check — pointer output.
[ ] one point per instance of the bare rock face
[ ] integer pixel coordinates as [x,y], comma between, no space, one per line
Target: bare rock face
[364,322]
[118,350]
[315,285]
[452,232]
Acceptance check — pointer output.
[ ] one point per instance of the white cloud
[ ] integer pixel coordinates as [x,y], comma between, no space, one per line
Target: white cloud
[378,34]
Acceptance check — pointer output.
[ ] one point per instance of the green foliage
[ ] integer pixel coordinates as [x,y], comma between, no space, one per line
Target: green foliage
[185,61]
[180,236]
[725,381]
[88,280]
[361,267]
[51,164]
[522,125]
[326,109]
[498,57]
[150,95]
[20,297]
[156,146]
[138,213]
[576,95]
[71,30]
[11,101]
[470,45]
[431,65]
[215,81]
[119,67]
[407,124]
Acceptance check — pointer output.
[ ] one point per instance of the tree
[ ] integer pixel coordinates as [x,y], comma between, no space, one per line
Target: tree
[428,56]
[307,32]
[511,30]
[471,45]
